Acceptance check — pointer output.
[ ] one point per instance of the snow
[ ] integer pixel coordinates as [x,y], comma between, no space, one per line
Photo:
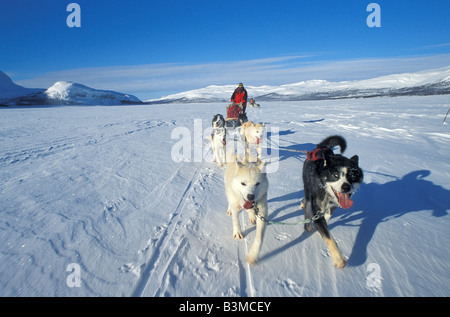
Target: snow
[96,194]
[323,89]
[8,89]
[73,93]
[61,92]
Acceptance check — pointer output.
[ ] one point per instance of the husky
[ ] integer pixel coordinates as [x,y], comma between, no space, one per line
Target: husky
[253,103]
[218,121]
[329,181]
[246,188]
[218,145]
[253,133]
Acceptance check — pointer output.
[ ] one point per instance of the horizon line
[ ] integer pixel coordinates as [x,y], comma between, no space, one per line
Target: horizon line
[162,79]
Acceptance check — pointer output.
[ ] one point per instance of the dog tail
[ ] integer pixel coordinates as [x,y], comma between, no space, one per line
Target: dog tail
[333,141]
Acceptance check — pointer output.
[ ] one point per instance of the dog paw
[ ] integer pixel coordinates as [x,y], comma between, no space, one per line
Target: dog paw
[309,227]
[238,235]
[340,264]
[302,204]
[251,260]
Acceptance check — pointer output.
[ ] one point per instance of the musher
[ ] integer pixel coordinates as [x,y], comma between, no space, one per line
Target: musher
[236,110]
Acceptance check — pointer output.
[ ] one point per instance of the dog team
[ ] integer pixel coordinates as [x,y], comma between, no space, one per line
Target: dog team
[329,181]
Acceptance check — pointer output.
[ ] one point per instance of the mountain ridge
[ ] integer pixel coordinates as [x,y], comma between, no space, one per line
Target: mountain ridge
[423,83]
[428,82]
[60,93]
[10,90]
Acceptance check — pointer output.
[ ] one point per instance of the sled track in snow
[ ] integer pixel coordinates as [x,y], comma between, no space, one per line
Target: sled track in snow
[245,272]
[171,244]
[166,248]
[166,235]
[40,149]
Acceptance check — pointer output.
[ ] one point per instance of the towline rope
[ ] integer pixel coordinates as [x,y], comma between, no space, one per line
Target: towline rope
[283,223]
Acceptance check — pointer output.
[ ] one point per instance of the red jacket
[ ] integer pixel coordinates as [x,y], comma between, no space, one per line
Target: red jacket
[240,95]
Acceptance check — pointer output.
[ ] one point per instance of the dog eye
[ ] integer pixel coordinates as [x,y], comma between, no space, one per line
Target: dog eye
[256,184]
[243,184]
[352,176]
[336,174]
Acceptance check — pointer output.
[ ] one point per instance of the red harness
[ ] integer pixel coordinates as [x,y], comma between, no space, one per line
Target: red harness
[318,154]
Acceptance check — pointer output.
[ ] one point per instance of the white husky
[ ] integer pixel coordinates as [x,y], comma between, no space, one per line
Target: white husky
[218,144]
[253,134]
[246,187]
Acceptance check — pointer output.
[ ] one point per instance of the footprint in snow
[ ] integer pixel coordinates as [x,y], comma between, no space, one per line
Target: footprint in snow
[282,236]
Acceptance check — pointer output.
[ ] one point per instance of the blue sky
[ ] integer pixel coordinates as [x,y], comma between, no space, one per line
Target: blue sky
[153,48]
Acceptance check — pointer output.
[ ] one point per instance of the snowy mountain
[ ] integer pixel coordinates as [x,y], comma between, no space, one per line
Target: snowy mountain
[67,93]
[429,82]
[61,92]
[9,90]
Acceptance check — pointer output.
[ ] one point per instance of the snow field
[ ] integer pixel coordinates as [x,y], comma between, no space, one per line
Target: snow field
[97,186]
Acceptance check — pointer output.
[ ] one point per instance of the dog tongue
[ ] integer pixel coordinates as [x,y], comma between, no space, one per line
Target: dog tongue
[248,204]
[345,201]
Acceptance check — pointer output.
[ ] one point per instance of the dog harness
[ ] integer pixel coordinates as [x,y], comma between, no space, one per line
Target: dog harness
[319,154]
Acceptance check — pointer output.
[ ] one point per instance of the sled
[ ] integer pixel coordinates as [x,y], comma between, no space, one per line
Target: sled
[233,125]
[233,128]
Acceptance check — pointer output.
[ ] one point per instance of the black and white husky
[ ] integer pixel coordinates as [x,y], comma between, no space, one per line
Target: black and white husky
[218,139]
[329,182]
[218,121]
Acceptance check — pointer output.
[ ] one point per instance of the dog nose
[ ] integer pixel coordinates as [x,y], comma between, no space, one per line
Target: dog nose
[250,197]
[345,187]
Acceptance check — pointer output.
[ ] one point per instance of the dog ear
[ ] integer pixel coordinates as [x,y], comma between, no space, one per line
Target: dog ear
[238,162]
[244,126]
[261,166]
[355,159]
[237,165]
[262,124]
